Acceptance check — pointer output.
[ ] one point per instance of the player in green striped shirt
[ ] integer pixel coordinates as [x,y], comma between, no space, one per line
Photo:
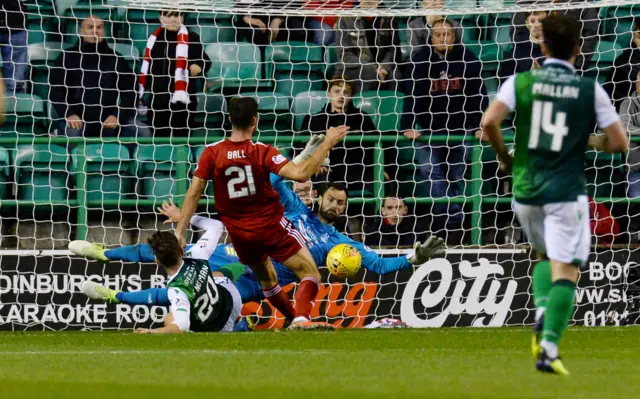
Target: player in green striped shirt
[556,112]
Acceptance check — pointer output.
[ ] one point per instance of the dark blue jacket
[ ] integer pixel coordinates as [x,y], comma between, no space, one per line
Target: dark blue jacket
[444,94]
[520,59]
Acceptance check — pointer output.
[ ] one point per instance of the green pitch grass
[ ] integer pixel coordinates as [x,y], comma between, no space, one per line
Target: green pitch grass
[439,363]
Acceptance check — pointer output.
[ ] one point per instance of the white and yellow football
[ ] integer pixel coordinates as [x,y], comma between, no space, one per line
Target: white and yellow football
[344,261]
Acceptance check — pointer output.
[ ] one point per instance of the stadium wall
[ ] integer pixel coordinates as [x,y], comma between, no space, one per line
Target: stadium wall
[40,290]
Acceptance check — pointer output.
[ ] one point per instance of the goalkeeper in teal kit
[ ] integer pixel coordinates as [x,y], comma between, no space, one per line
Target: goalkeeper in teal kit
[317,228]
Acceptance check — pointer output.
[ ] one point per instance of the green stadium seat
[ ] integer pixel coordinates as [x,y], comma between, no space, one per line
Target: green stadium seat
[295,66]
[274,113]
[108,168]
[235,66]
[605,54]
[196,156]
[307,103]
[41,172]
[155,167]
[5,174]
[25,114]
[139,31]
[211,111]
[128,51]
[498,30]
[330,59]
[142,14]
[490,53]
[213,31]
[384,107]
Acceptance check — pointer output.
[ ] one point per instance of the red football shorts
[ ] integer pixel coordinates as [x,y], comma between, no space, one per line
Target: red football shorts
[279,242]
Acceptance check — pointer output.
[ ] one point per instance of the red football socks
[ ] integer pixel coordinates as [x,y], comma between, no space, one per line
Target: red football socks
[280,301]
[305,295]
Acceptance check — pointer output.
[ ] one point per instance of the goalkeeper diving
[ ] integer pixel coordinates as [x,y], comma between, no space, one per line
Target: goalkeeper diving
[317,228]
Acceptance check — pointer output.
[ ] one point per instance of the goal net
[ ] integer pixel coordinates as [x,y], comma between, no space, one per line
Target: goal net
[107,115]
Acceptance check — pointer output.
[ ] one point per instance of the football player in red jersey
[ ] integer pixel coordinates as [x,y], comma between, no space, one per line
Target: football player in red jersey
[251,210]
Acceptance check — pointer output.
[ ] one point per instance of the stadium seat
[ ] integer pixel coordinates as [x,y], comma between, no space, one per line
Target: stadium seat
[274,112]
[211,112]
[26,114]
[108,168]
[295,67]
[5,174]
[41,172]
[384,107]
[307,103]
[128,51]
[155,167]
[605,54]
[235,66]
[330,59]
[139,31]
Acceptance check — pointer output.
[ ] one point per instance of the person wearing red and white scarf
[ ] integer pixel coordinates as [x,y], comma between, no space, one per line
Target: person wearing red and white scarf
[174,67]
[180,74]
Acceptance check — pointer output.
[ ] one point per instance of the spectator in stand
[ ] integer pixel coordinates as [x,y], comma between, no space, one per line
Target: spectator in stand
[93,88]
[322,27]
[445,96]
[526,55]
[588,17]
[393,228]
[172,71]
[306,192]
[264,29]
[420,26]
[620,82]
[368,50]
[350,162]
[13,39]
[630,118]
[604,227]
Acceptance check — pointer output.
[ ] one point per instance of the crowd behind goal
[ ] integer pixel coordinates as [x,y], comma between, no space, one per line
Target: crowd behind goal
[413,90]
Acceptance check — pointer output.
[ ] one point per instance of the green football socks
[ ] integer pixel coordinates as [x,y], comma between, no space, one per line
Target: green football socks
[557,315]
[541,286]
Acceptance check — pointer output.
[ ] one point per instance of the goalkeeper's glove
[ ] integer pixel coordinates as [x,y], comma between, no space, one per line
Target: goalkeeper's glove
[310,148]
[432,248]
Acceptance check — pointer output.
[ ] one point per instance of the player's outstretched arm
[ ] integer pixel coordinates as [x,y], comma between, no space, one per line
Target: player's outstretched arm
[303,171]
[492,132]
[189,207]
[178,318]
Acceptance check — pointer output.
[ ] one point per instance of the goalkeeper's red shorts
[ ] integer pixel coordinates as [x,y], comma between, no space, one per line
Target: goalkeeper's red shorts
[279,242]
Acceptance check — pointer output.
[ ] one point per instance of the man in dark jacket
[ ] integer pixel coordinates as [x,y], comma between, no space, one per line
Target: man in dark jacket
[445,96]
[350,162]
[588,18]
[526,55]
[621,80]
[88,81]
[13,45]
[393,228]
[368,50]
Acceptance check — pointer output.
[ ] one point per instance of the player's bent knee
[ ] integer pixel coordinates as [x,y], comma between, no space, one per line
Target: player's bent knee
[564,271]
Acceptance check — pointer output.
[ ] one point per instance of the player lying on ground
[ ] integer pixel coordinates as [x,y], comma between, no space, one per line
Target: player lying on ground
[557,112]
[318,229]
[199,299]
[249,208]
